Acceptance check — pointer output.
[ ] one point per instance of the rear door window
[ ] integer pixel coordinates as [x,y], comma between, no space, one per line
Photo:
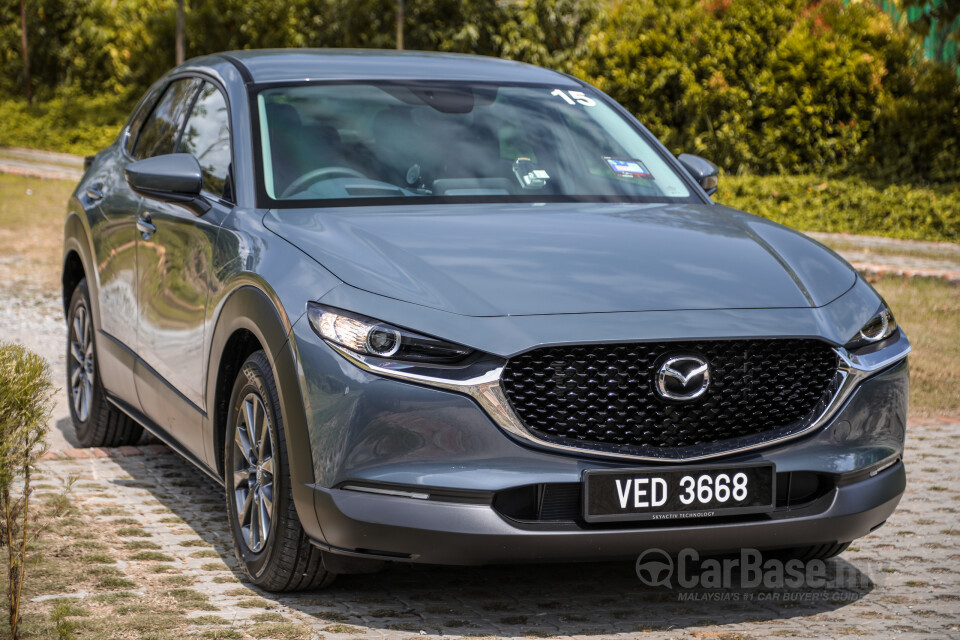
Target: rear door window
[159,133]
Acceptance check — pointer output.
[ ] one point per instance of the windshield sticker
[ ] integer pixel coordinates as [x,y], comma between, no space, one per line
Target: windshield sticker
[574,97]
[628,168]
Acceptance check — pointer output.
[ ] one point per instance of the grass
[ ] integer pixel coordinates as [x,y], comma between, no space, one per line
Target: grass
[195,542]
[268,616]
[99,558]
[115,582]
[160,609]
[31,223]
[928,310]
[154,556]
[925,252]
[208,619]
[137,545]
[254,603]
[281,631]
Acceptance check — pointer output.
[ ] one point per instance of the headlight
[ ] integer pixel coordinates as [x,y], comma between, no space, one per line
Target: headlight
[881,326]
[371,337]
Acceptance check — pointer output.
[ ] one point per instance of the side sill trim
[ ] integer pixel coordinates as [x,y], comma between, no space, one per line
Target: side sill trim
[162,434]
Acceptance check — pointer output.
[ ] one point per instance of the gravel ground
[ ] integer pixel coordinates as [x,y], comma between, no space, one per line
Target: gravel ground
[34,317]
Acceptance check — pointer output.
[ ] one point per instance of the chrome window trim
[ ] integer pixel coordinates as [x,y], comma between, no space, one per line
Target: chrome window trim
[481,381]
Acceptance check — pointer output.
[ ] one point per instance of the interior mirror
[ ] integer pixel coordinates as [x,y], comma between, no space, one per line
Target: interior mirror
[174,177]
[703,171]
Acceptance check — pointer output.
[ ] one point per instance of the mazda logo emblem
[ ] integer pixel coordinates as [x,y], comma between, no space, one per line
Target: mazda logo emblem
[683,378]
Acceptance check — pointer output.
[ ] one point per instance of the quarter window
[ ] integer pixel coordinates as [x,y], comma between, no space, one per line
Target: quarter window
[159,133]
[207,138]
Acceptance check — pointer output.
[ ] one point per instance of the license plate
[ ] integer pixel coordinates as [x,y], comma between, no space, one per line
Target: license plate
[676,493]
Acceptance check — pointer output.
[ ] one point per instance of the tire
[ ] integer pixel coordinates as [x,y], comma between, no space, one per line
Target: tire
[277,556]
[97,422]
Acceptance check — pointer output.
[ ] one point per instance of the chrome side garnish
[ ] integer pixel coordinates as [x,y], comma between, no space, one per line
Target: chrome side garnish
[481,381]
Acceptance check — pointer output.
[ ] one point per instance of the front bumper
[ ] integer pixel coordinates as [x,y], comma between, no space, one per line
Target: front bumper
[385,433]
[380,432]
[406,529]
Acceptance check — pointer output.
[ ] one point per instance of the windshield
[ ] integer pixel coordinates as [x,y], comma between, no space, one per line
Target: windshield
[407,143]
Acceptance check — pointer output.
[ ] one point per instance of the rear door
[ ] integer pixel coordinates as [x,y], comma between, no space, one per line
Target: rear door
[112,210]
[175,273]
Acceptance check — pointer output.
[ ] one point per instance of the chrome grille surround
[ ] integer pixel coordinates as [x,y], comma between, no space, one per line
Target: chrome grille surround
[481,381]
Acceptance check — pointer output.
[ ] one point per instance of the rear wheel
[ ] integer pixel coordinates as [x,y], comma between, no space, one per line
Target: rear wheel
[268,540]
[97,422]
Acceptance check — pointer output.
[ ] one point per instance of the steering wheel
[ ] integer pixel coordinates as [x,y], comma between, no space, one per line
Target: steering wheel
[323,173]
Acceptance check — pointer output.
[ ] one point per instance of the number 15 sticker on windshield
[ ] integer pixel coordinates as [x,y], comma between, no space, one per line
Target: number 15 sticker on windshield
[574,97]
[628,168]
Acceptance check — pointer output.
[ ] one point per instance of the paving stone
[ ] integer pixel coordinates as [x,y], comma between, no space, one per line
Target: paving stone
[78,453]
[903,580]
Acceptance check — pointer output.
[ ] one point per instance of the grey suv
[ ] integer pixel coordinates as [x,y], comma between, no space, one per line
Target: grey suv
[448,309]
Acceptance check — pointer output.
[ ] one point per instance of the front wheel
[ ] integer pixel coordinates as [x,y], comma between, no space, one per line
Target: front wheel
[268,539]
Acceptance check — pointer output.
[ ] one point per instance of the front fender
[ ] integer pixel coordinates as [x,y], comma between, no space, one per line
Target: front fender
[249,308]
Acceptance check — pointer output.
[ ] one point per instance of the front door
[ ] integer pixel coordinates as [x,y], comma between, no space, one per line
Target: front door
[175,271]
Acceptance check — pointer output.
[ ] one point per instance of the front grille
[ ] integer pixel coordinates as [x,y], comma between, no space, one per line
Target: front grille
[603,396]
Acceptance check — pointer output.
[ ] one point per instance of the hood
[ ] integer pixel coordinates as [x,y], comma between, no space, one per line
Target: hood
[531,259]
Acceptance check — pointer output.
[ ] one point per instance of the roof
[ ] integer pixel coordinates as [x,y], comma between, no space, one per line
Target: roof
[293,65]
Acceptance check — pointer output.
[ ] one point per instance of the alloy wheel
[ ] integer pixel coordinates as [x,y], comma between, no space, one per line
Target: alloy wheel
[253,472]
[81,364]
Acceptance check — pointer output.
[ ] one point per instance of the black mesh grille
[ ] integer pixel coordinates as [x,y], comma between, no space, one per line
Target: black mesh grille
[604,394]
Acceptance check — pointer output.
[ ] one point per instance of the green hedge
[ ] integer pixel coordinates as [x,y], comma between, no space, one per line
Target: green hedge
[849,205]
[65,123]
[781,87]
[759,87]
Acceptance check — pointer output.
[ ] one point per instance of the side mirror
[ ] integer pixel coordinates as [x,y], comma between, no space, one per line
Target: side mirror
[703,171]
[175,177]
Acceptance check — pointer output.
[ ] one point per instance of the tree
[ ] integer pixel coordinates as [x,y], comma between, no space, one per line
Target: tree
[26,50]
[180,37]
[400,24]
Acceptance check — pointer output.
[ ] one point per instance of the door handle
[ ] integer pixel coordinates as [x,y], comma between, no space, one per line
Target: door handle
[95,192]
[145,226]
